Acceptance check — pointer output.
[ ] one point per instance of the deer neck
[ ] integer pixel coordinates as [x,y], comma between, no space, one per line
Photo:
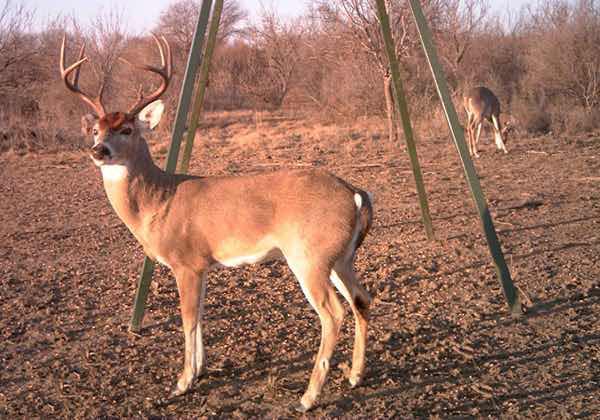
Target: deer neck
[137,191]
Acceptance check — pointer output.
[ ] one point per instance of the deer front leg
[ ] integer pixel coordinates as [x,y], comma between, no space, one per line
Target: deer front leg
[191,286]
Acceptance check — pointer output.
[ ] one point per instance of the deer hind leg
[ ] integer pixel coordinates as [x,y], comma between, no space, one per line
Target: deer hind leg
[498,135]
[322,297]
[344,279]
[191,290]
[475,141]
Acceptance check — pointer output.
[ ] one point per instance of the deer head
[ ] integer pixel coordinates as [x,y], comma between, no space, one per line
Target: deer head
[510,128]
[118,135]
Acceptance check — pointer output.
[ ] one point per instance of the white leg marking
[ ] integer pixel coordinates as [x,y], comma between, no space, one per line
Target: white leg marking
[499,142]
[339,284]
[190,368]
[478,132]
[200,355]
[497,134]
[298,265]
[162,261]
[495,122]
[476,140]
[303,286]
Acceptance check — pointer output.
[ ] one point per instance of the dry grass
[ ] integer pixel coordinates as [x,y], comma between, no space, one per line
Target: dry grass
[20,136]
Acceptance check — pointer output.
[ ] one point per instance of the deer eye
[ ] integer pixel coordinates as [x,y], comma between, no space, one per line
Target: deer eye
[126,131]
[95,131]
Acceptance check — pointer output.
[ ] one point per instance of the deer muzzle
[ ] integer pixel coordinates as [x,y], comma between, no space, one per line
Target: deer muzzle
[100,151]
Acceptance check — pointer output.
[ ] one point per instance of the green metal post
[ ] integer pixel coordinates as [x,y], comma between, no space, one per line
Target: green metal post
[202,84]
[402,106]
[508,287]
[185,97]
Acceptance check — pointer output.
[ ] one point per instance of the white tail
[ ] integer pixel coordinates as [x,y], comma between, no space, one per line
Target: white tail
[481,104]
[191,224]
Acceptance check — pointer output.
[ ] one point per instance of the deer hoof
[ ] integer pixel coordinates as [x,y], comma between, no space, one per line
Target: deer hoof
[174,394]
[301,408]
[161,402]
[355,381]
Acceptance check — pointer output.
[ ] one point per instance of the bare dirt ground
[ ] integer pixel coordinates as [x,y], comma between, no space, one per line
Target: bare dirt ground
[441,341]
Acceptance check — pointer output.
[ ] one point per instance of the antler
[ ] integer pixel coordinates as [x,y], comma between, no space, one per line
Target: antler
[95,103]
[165,72]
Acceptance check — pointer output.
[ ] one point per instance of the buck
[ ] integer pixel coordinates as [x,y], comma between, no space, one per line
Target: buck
[481,104]
[191,224]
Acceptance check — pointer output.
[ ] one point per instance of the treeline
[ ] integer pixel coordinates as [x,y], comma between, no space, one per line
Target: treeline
[543,62]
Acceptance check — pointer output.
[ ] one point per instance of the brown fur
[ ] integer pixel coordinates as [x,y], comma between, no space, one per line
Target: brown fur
[192,223]
[113,121]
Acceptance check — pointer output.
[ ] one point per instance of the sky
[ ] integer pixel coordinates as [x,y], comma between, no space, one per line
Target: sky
[143,14]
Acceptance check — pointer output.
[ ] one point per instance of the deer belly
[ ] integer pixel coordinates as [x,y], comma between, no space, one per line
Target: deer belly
[254,257]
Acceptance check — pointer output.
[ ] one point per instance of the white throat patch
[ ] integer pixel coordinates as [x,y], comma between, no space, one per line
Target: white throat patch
[114,173]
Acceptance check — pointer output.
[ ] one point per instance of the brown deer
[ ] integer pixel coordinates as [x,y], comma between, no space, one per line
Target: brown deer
[481,104]
[191,224]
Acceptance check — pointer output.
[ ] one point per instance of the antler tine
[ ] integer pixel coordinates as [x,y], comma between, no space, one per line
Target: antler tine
[101,90]
[160,48]
[169,57]
[165,72]
[94,103]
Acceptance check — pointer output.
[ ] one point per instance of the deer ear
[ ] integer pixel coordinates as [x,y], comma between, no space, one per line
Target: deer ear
[87,123]
[152,113]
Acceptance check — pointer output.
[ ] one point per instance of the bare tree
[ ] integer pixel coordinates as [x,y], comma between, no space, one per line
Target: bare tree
[564,49]
[358,23]
[178,22]
[105,39]
[273,58]
[460,22]
[16,46]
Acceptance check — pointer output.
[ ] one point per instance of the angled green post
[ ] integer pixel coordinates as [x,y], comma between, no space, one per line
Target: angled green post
[472,179]
[185,97]
[402,107]
[202,84]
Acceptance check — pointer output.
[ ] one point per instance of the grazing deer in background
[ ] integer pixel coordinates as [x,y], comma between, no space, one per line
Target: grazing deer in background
[481,104]
[191,224]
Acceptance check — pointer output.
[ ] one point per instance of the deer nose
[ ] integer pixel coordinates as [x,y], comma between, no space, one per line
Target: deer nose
[99,151]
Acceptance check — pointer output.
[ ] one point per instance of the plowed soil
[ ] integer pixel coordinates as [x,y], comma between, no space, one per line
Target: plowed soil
[441,340]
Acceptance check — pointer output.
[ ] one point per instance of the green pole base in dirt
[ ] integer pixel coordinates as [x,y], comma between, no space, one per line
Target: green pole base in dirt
[510,292]
[185,97]
[141,295]
[402,107]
